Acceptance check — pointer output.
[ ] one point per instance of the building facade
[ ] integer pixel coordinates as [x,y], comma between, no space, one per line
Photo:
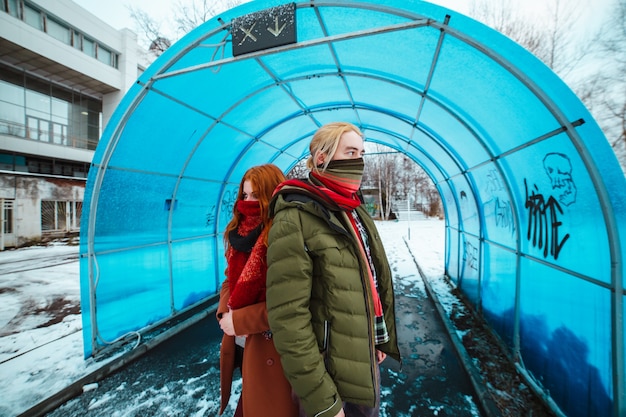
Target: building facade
[62,73]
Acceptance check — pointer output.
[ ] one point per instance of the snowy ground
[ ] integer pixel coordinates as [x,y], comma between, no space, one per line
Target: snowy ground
[41,352]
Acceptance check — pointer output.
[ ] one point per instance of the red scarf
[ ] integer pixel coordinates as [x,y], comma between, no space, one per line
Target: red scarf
[325,194]
[247,268]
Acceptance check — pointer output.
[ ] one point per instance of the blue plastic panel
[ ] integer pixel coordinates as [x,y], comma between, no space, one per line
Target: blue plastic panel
[456,134]
[559,209]
[468,205]
[192,263]
[496,205]
[132,210]
[561,340]
[193,214]
[499,289]
[471,265]
[142,277]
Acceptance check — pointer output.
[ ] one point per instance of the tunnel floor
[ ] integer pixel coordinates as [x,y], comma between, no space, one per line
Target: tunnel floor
[181,376]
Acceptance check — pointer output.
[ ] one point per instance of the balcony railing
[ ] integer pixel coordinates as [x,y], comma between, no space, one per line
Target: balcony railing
[46,131]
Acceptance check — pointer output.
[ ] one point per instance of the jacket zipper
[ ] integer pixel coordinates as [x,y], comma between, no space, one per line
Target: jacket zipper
[373,359]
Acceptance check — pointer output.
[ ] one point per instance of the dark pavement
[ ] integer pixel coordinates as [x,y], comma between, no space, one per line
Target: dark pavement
[180,377]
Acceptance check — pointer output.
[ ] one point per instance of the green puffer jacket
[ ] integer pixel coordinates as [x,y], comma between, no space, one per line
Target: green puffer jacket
[319,302]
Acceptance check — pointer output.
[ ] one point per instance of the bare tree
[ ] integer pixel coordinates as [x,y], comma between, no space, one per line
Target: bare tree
[381,167]
[192,13]
[299,170]
[150,33]
[546,33]
[606,90]
[399,182]
[504,16]
[554,37]
[187,15]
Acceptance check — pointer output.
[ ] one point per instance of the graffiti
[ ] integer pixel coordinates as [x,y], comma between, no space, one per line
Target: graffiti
[228,202]
[210,216]
[503,213]
[494,184]
[227,206]
[543,222]
[559,170]
[169,206]
[502,208]
[470,256]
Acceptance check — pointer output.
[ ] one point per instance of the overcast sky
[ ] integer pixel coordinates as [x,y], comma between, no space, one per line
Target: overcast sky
[115,12]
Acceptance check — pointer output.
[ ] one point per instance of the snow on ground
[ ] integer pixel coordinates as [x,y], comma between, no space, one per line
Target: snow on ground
[41,353]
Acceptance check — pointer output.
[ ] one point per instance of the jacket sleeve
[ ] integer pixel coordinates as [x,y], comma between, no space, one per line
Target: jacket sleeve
[289,278]
[250,319]
[222,306]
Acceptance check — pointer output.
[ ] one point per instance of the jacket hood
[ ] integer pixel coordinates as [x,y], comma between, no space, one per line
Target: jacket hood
[300,194]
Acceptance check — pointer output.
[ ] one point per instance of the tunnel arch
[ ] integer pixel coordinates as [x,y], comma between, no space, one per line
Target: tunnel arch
[533,195]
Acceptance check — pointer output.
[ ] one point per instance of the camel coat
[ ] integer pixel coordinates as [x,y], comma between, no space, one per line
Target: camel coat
[265,390]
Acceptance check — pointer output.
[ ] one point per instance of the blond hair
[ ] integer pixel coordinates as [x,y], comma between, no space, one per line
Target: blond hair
[325,142]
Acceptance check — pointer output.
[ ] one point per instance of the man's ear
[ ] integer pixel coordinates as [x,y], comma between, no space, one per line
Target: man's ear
[320,159]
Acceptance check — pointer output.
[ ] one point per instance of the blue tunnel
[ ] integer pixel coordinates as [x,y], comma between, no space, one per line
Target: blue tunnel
[534,198]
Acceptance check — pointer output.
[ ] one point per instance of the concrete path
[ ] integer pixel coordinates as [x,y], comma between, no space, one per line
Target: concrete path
[181,376]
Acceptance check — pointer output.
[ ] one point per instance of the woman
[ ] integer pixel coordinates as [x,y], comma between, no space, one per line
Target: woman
[329,290]
[241,313]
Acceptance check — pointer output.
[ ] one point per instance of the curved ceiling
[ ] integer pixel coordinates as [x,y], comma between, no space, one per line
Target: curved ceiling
[527,178]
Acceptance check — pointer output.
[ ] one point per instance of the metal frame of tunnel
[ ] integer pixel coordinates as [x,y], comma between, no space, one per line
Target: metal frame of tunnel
[404,144]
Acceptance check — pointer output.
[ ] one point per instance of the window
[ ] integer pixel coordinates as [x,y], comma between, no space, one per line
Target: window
[37,104]
[38,129]
[11,109]
[89,47]
[60,215]
[13,8]
[7,216]
[33,17]
[77,40]
[104,55]
[33,109]
[59,134]
[58,31]
[49,216]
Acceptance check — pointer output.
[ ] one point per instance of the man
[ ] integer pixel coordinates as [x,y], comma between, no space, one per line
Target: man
[329,288]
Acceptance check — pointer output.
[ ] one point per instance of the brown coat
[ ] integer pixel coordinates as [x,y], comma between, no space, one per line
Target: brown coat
[265,390]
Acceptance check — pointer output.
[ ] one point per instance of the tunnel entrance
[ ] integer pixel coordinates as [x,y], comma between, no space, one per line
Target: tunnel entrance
[526,177]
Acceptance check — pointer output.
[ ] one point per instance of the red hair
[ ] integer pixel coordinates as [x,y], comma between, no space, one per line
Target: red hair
[264,179]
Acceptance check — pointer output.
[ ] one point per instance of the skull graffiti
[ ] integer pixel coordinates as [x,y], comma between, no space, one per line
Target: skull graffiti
[559,170]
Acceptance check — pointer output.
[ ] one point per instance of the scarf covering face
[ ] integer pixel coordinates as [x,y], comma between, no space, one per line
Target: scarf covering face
[337,186]
[244,237]
[342,176]
[246,258]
